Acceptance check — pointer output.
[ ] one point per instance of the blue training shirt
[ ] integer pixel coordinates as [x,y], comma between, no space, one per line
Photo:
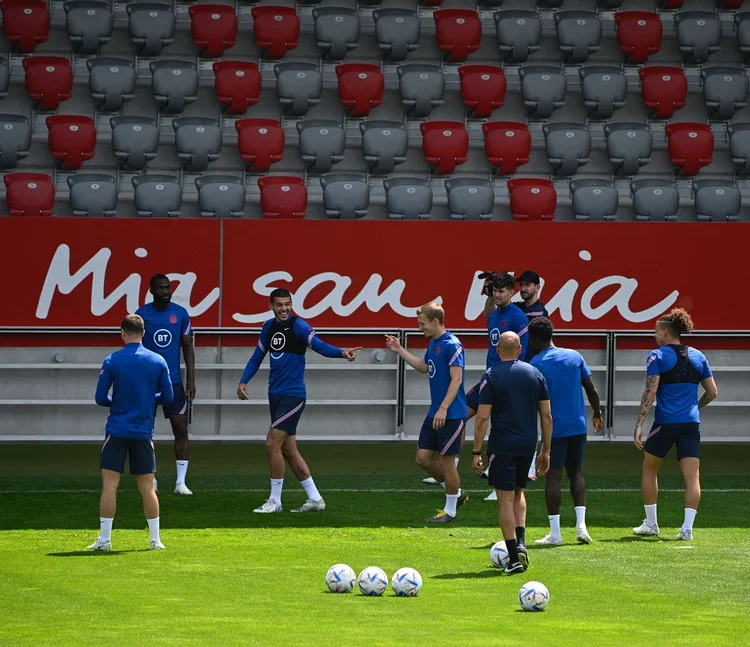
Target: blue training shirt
[139,380]
[563,371]
[510,318]
[164,332]
[676,403]
[442,353]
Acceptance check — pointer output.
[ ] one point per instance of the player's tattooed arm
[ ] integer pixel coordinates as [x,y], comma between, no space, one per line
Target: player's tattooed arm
[647,399]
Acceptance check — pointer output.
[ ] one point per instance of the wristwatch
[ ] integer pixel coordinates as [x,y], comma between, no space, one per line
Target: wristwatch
[476,453]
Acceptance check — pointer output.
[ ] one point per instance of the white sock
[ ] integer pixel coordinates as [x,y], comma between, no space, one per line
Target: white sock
[580,516]
[153,529]
[312,491]
[532,467]
[554,525]
[456,460]
[650,514]
[276,485]
[105,528]
[450,504]
[181,471]
[689,518]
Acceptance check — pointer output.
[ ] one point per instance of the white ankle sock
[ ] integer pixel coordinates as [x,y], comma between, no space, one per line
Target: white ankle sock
[450,504]
[181,471]
[689,518]
[650,514]
[153,529]
[105,528]
[554,525]
[580,516]
[312,491]
[276,485]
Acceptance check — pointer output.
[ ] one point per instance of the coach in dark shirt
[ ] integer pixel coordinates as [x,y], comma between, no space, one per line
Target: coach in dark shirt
[529,285]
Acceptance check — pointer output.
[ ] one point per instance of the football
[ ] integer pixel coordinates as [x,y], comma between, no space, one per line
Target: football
[340,578]
[499,555]
[406,582]
[533,596]
[372,581]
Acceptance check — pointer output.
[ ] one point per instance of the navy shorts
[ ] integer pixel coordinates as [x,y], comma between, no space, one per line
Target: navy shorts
[509,472]
[446,440]
[567,451]
[472,397]
[286,410]
[140,450]
[178,406]
[686,435]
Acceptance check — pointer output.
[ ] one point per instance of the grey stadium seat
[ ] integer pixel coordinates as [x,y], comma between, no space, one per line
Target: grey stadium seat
[151,26]
[543,88]
[15,140]
[157,196]
[408,198]
[345,195]
[698,35]
[384,144]
[197,141]
[220,196]
[579,34]
[111,81]
[655,199]
[568,146]
[519,33]
[298,86]
[93,194]
[322,143]
[135,141]
[470,198]
[397,32]
[724,90]
[739,147]
[4,77]
[175,84]
[629,145]
[717,200]
[595,200]
[743,31]
[89,24]
[421,87]
[604,90]
[336,30]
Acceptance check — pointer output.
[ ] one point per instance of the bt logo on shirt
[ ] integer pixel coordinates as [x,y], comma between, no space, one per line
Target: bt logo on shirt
[278,341]
[494,336]
[431,370]
[162,338]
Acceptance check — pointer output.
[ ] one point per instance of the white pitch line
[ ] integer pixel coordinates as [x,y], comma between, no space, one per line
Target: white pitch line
[425,490]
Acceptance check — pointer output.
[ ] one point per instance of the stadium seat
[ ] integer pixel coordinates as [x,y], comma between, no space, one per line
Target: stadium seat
[89,24]
[175,84]
[214,28]
[604,89]
[482,89]
[519,34]
[112,82]
[361,87]
[638,34]
[93,194]
[298,86]
[549,4]
[470,198]
[532,199]
[238,85]
[742,20]
[71,139]
[25,23]
[543,88]
[739,147]
[135,141]
[698,35]
[152,26]
[345,195]
[49,81]
[15,140]
[670,4]
[4,77]
[594,199]
[579,34]
[408,198]
[336,30]
[445,145]
[421,87]
[458,32]
[321,143]
[655,199]
[629,146]
[29,194]
[730,4]
[283,197]
[725,91]
[261,142]
[664,89]
[157,196]
[397,32]
[609,4]
[276,29]
[718,200]
[568,146]
[384,145]
[197,141]
[690,145]
[507,145]
[220,196]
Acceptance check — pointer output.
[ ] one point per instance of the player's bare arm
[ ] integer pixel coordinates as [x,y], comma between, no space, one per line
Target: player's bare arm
[709,392]
[647,401]
[455,384]
[593,396]
[480,433]
[417,363]
[188,352]
[545,418]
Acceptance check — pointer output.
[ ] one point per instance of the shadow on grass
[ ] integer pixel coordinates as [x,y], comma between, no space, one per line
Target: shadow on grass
[628,539]
[495,572]
[96,553]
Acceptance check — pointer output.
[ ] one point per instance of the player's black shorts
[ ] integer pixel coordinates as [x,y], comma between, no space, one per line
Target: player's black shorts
[472,397]
[286,410]
[509,472]
[686,435]
[140,450]
[567,451]
[178,406]
[446,440]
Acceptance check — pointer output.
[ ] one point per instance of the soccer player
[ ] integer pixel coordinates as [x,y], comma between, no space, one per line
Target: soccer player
[167,330]
[443,427]
[529,287]
[139,379]
[513,394]
[287,337]
[673,372]
[565,371]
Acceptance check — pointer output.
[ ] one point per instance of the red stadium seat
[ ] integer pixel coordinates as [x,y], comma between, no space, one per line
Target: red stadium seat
[482,88]
[29,194]
[261,142]
[532,199]
[639,34]
[671,4]
[25,23]
[445,144]
[690,145]
[214,28]
[49,80]
[238,85]
[458,32]
[432,3]
[276,29]
[664,89]
[72,139]
[507,145]
[282,196]
[730,4]
[361,87]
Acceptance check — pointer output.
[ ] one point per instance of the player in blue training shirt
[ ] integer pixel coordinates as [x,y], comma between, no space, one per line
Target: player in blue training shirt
[442,429]
[167,330]
[287,338]
[673,372]
[139,380]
